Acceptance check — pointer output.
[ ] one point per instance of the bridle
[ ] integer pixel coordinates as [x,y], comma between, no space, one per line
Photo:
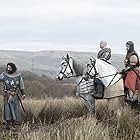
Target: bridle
[93,67]
[63,71]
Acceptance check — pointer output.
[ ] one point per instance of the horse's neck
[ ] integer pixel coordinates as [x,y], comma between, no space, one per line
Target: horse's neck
[78,67]
[103,68]
[106,70]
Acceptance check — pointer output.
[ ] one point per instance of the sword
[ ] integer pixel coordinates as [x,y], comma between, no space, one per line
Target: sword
[18,99]
[21,103]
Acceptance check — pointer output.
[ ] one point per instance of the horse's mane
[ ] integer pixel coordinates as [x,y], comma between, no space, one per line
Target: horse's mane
[78,66]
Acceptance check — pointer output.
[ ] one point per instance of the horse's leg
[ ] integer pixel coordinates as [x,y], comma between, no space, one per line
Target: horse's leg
[116,103]
[90,103]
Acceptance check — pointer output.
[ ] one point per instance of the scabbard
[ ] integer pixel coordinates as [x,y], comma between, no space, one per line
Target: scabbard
[21,103]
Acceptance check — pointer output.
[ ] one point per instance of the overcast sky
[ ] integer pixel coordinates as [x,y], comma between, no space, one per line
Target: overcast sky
[78,25]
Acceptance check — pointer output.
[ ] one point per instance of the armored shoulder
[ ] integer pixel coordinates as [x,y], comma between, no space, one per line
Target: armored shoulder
[133,60]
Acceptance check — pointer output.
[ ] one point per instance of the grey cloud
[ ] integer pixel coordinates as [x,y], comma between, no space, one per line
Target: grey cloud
[67,30]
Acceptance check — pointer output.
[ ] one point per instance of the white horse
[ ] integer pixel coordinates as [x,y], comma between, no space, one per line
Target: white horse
[112,80]
[71,67]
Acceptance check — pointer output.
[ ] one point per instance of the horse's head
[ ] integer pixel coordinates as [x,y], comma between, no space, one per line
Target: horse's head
[91,69]
[66,68]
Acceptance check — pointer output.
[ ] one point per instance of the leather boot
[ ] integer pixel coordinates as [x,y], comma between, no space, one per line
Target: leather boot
[13,126]
[8,122]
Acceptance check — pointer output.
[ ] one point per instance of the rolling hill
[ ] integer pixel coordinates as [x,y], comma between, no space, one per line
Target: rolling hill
[47,62]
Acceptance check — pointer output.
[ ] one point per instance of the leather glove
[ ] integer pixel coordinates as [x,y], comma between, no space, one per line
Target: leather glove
[123,71]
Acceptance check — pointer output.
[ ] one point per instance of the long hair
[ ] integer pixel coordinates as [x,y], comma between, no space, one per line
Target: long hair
[130,44]
[13,66]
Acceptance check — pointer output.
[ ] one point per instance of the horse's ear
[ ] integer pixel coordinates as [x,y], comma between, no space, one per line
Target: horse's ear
[68,56]
[92,60]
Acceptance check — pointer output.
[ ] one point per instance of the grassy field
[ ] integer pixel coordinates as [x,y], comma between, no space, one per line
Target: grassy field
[68,119]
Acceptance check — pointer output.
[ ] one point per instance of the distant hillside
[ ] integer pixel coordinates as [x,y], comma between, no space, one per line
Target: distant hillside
[47,62]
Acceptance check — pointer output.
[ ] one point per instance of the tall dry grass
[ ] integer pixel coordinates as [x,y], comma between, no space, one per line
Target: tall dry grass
[68,119]
[51,110]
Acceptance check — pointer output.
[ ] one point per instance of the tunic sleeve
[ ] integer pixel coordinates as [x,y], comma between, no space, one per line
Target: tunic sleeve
[1,77]
[107,54]
[104,54]
[21,83]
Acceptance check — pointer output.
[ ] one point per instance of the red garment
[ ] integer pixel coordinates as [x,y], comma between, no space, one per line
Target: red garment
[132,81]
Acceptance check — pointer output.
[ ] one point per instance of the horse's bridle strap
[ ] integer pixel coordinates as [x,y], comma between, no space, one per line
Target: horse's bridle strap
[94,70]
[63,72]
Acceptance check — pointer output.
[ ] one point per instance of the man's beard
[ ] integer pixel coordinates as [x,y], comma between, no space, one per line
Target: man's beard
[9,72]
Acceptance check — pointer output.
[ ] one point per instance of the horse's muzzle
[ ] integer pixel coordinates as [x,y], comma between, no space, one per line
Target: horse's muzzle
[60,76]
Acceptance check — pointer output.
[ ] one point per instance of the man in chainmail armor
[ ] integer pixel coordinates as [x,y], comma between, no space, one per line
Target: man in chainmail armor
[105,52]
[13,84]
[132,75]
